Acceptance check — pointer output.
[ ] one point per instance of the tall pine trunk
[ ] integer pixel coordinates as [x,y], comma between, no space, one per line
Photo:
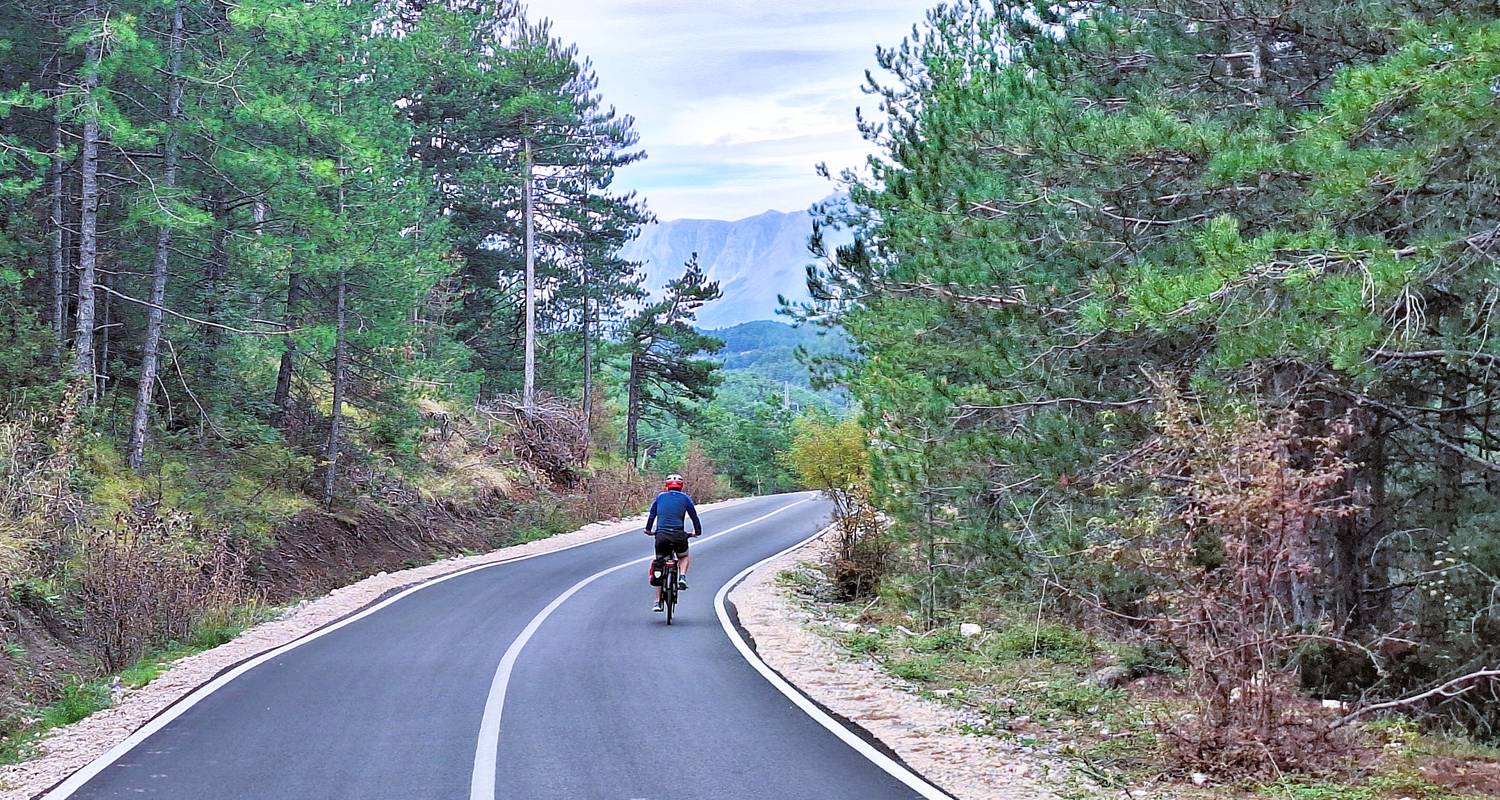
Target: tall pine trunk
[588,377]
[88,226]
[283,398]
[59,312]
[215,303]
[340,365]
[528,391]
[150,349]
[633,407]
[106,328]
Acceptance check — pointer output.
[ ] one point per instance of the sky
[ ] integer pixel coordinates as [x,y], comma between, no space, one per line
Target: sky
[736,101]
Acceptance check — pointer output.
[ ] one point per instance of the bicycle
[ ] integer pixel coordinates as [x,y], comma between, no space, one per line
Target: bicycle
[668,578]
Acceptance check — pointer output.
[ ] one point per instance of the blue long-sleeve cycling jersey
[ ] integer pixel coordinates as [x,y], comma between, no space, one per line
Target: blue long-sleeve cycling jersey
[670,507]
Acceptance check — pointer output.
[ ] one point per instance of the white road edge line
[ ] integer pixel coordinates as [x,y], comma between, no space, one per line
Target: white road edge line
[897,770]
[487,750]
[87,773]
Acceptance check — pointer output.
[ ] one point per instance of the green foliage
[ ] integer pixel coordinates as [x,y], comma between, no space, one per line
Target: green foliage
[777,351]
[1053,641]
[666,373]
[829,455]
[1075,213]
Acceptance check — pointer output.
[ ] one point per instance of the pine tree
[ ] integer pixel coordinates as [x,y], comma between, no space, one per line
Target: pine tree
[666,373]
[524,175]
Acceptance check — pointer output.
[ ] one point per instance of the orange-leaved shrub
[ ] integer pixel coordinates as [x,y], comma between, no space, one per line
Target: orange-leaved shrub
[1229,551]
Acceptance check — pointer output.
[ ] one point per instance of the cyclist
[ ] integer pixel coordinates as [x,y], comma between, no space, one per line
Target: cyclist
[671,535]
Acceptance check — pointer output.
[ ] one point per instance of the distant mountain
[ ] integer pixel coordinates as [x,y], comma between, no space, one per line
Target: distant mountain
[753,259]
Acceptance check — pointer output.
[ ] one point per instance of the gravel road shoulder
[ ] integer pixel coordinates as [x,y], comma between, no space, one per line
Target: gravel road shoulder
[923,733]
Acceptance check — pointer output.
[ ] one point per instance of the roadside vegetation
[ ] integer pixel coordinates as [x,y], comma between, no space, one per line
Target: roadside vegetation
[1172,328]
[298,292]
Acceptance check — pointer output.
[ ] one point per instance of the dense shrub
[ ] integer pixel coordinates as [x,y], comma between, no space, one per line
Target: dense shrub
[151,580]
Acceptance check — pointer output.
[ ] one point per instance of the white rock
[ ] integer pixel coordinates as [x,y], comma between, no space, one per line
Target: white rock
[1334,705]
[1199,779]
[969,629]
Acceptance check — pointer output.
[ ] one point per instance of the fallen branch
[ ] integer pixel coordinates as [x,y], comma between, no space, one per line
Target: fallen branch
[1488,358]
[1451,689]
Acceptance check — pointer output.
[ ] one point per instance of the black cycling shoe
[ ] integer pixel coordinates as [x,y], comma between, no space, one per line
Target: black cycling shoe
[681,584]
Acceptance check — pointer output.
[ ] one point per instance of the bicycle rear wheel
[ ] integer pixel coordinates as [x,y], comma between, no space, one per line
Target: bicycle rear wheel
[669,592]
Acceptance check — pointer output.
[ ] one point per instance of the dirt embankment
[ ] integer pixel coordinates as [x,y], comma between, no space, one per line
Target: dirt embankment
[317,552]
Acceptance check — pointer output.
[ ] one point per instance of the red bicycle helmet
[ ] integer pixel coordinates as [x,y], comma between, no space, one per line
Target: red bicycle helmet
[674,481]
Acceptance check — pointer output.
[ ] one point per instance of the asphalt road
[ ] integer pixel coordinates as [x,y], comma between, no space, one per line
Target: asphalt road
[547,677]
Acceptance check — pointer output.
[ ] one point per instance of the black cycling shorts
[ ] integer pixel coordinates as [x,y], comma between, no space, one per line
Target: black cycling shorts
[667,546]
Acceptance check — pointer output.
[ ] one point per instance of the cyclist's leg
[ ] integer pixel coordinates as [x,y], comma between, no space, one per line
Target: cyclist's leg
[682,564]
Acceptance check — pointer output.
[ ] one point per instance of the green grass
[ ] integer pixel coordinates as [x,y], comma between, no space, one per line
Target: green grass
[939,641]
[1291,790]
[796,579]
[866,644]
[1399,784]
[79,699]
[1051,641]
[533,535]
[915,669]
[1075,698]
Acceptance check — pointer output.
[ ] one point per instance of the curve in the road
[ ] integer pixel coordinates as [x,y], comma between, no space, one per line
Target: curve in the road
[607,702]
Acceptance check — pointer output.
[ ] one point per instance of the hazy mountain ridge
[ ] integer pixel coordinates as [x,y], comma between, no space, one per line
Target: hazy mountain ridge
[753,259]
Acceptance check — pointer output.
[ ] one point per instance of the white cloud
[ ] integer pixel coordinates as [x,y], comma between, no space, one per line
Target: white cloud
[736,101]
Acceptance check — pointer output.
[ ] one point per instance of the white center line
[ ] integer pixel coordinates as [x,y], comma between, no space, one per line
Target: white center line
[487,751]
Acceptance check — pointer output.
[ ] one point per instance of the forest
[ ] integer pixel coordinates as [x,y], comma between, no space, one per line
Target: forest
[300,291]
[1161,353]
[1171,324]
